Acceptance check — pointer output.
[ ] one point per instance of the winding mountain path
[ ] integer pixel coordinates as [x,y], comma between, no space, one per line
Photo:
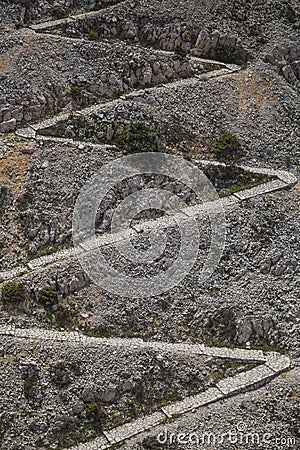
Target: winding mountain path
[284,180]
[270,365]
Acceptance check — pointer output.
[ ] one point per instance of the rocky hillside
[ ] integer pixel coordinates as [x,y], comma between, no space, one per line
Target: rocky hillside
[215,83]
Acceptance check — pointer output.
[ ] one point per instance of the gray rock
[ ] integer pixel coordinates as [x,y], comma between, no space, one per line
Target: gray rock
[108,395]
[9,125]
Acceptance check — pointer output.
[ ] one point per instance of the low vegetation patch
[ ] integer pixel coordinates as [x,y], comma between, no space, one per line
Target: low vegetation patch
[226,146]
[49,298]
[75,92]
[138,137]
[230,179]
[94,35]
[13,293]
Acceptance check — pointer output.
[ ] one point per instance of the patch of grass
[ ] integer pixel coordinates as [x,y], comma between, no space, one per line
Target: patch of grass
[188,319]
[39,442]
[94,411]
[101,331]
[249,181]
[213,291]
[50,131]
[211,68]
[58,315]
[171,419]
[75,433]
[22,272]
[221,327]
[99,127]
[50,249]
[44,251]
[229,369]
[118,445]
[86,130]
[57,15]
[158,386]
[266,346]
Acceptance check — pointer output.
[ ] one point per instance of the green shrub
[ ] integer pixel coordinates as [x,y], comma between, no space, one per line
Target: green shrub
[91,408]
[13,293]
[226,146]
[99,127]
[94,411]
[138,137]
[95,131]
[49,297]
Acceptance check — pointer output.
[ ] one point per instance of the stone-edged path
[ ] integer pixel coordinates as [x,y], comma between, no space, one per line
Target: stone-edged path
[271,364]
[284,180]
[31,130]
[49,24]
[46,29]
